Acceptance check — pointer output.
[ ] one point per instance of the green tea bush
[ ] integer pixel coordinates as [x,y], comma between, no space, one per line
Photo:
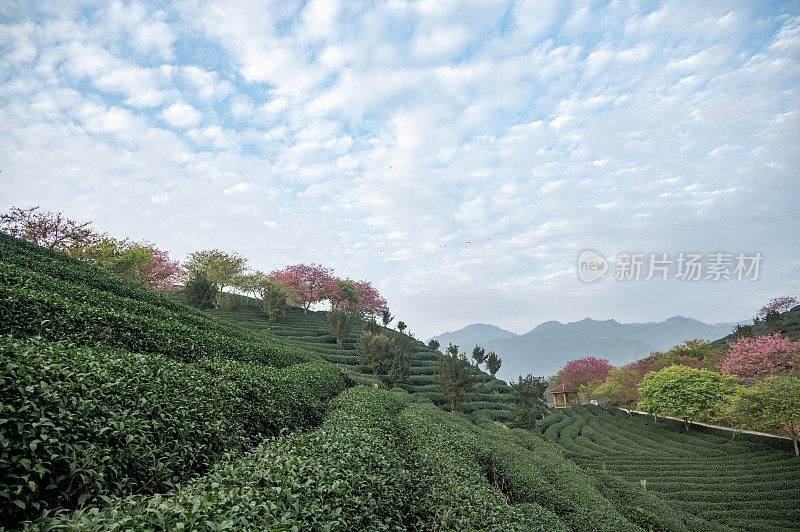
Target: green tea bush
[352,473]
[28,312]
[750,483]
[78,424]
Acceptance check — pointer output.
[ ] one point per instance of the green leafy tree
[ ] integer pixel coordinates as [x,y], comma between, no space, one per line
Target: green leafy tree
[452,350]
[493,363]
[456,378]
[773,320]
[231,303]
[222,269]
[386,317]
[400,368]
[694,348]
[376,350]
[274,298]
[742,331]
[401,326]
[529,400]
[251,283]
[339,324]
[684,391]
[433,344]
[771,405]
[200,292]
[478,355]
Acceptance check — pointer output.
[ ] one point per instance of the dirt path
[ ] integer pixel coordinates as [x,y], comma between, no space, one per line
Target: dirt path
[714,426]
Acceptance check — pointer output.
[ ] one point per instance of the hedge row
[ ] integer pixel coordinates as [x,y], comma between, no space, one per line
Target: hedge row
[28,312]
[353,473]
[78,424]
[702,471]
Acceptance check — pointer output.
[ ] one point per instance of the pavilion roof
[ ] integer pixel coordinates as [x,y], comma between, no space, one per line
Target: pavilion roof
[564,389]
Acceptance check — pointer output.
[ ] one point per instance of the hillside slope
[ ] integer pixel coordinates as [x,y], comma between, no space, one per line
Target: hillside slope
[751,483]
[309,333]
[124,409]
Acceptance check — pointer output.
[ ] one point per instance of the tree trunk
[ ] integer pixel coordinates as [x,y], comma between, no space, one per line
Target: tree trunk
[655,419]
[686,424]
[796,452]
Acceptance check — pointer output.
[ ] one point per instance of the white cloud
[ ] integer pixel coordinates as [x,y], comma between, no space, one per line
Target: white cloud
[181,115]
[459,154]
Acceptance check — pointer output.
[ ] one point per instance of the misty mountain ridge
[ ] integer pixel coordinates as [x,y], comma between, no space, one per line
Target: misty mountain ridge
[549,345]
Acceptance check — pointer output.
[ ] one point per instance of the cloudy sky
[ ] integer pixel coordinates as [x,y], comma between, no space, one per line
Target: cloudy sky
[460,155]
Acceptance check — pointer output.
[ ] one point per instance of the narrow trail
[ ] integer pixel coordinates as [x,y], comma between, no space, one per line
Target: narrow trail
[712,426]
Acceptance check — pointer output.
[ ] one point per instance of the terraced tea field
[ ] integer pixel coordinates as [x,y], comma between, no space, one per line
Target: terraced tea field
[309,333]
[750,483]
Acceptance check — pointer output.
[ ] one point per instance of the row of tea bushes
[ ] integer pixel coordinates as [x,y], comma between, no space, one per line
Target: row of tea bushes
[82,424]
[751,483]
[352,473]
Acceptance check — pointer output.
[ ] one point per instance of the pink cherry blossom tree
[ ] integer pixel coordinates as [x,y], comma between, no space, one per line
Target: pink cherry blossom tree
[586,373]
[159,273]
[778,304]
[761,356]
[371,302]
[307,283]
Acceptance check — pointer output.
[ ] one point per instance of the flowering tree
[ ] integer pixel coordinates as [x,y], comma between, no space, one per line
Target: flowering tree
[159,273]
[761,356]
[48,229]
[371,302]
[778,304]
[621,386]
[586,373]
[307,283]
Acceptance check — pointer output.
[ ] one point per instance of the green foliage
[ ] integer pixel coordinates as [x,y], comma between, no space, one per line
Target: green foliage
[400,366]
[339,324]
[478,355]
[772,405]
[274,297]
[199,291]
[80,424]
[698,480]
[401,326]
[696,348]
[433,344]
[684,391]
[231,303]
[376,351]
[386,317]
[456,379]
[35,304]
[529,396]
[223,269]
[493,363]
[353,473]
[348,296]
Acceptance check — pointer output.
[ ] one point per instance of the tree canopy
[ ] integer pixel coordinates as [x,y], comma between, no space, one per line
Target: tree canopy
[684,391]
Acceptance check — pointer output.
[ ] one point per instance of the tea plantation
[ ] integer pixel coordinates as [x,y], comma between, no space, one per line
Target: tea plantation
[124,409]
[309,333]
[750,482]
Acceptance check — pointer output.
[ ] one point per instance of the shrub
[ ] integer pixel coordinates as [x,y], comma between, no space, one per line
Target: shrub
[80,423]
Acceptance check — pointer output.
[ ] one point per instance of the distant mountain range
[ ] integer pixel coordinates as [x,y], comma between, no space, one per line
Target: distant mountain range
[546,348]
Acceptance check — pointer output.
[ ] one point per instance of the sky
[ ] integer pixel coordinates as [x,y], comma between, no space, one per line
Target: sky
[458,155]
